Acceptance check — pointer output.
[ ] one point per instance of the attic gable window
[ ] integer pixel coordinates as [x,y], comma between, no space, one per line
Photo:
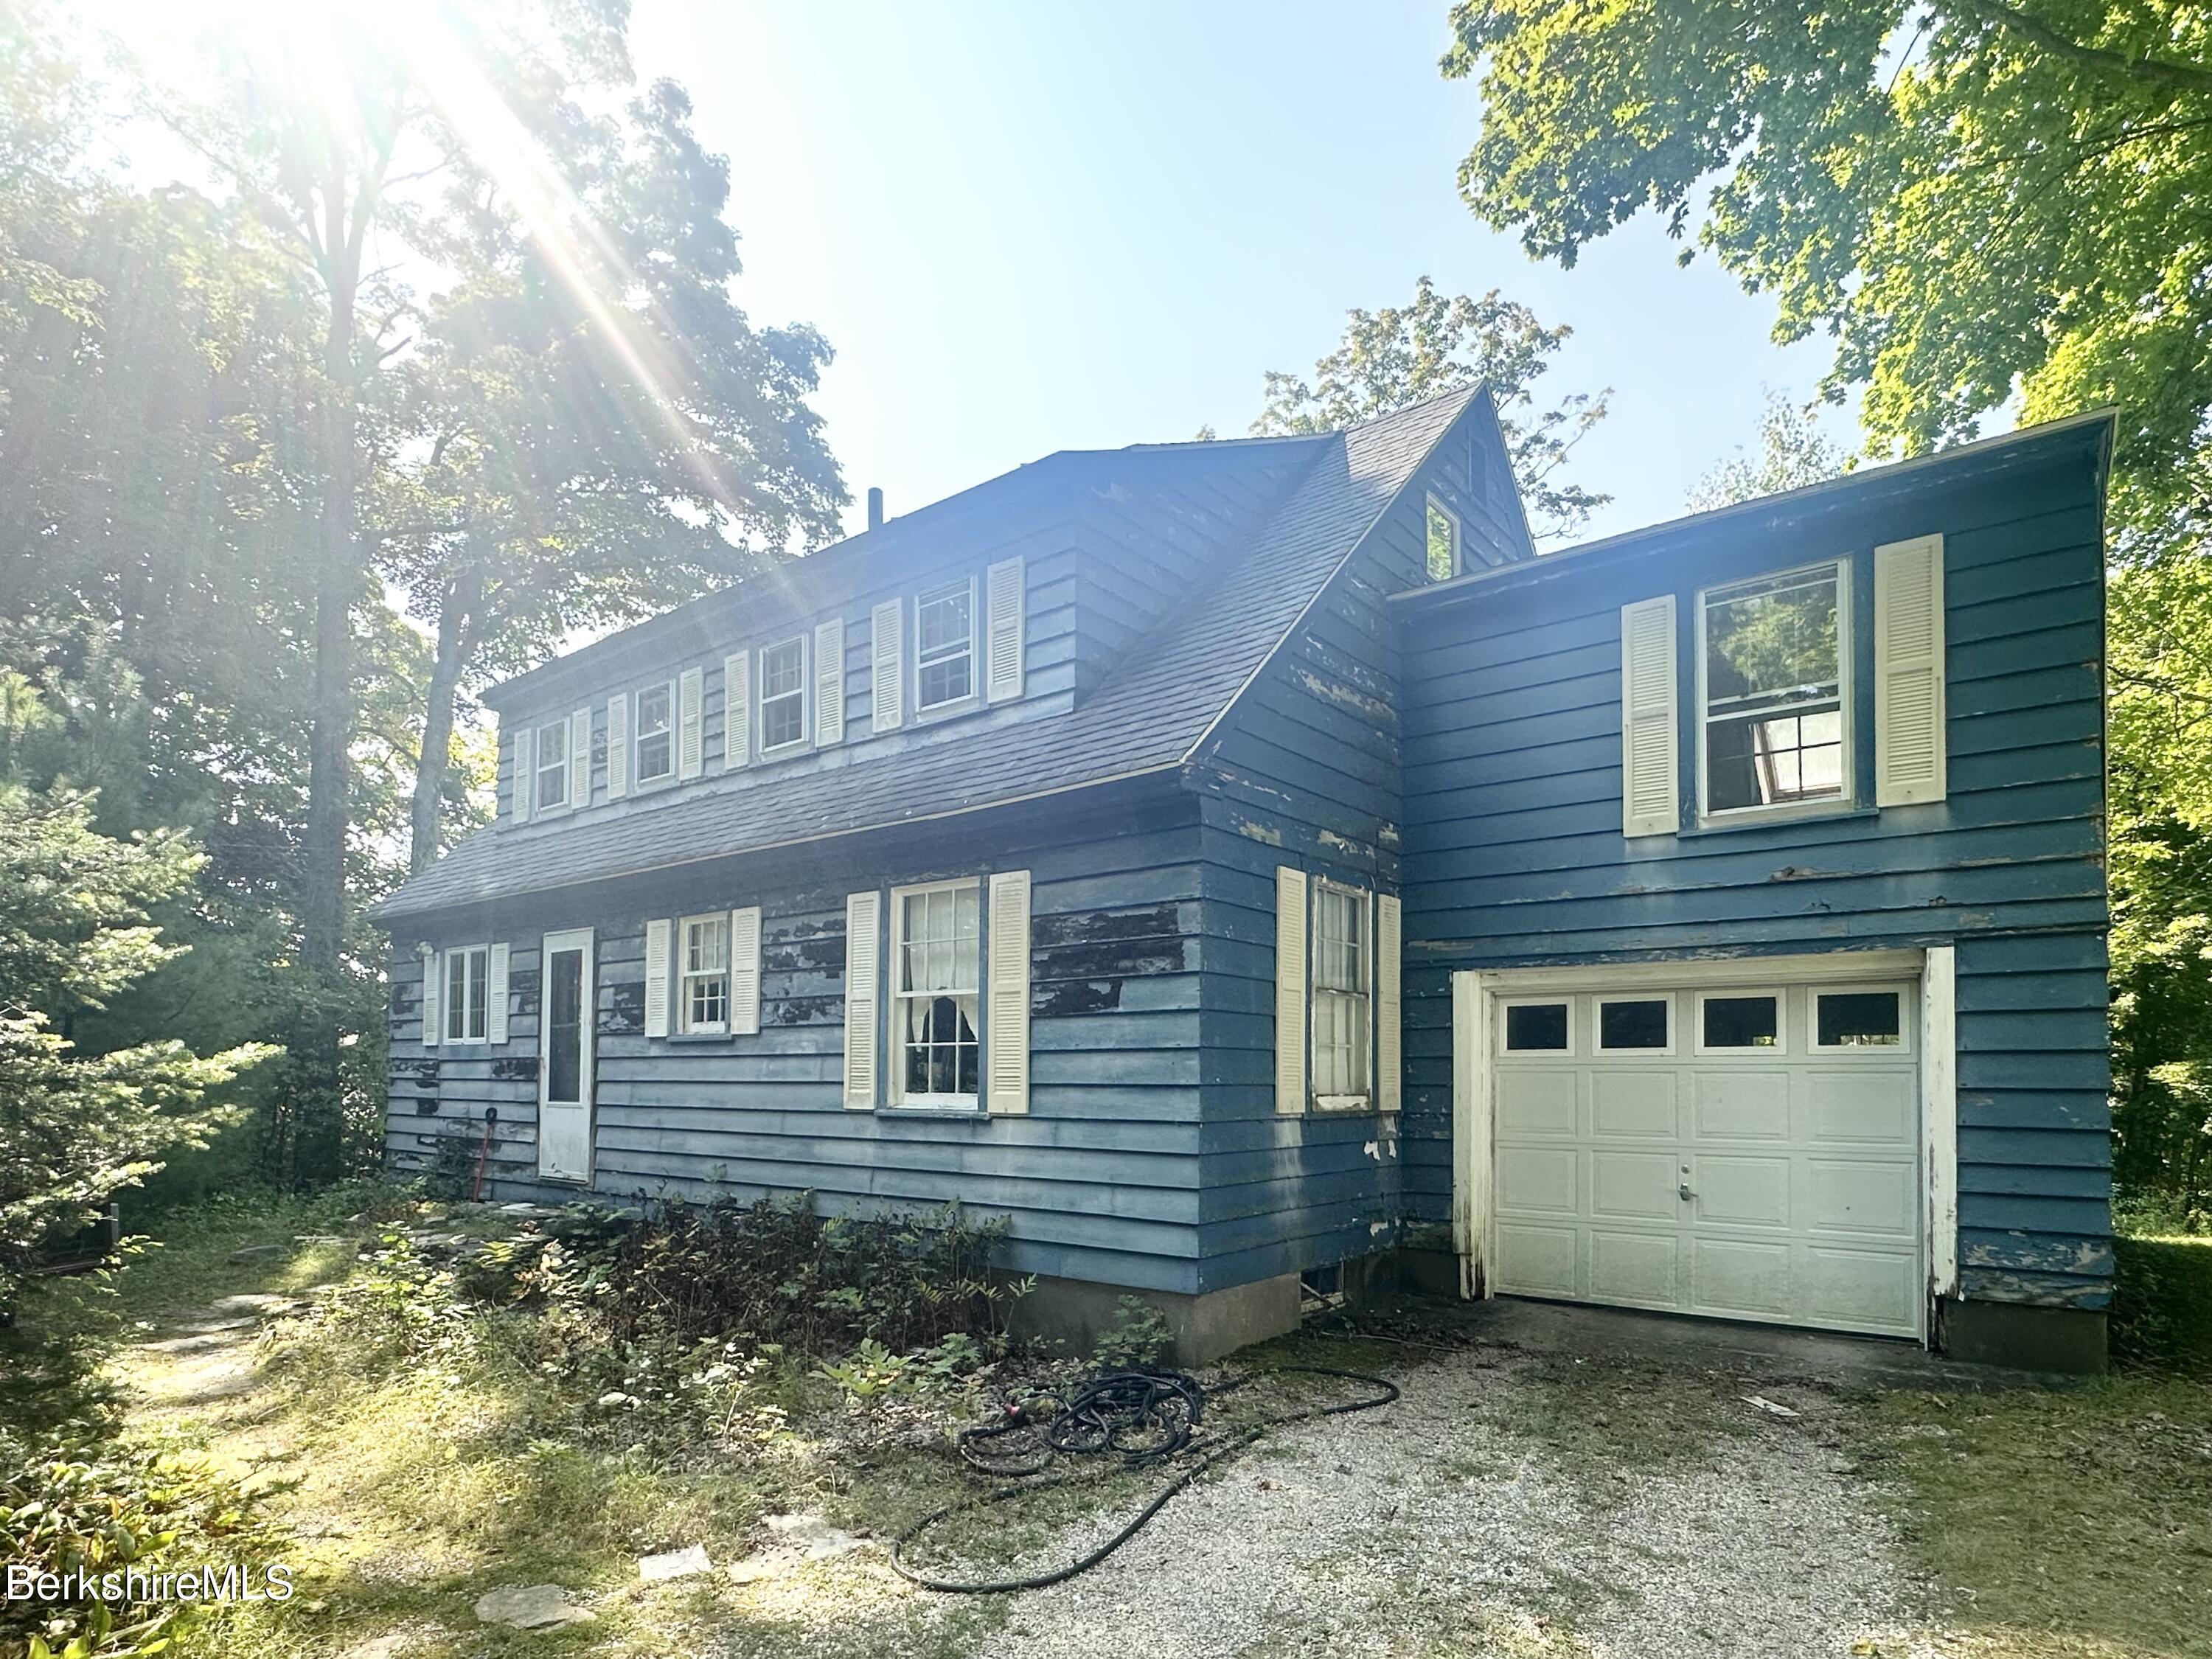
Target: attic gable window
[1773,658]
[783,694]
[1443,542]
[656,747]
[944,640]
[551,788]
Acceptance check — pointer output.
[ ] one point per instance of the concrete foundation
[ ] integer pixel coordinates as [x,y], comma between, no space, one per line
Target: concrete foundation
[2023,1337]
[1202,1327]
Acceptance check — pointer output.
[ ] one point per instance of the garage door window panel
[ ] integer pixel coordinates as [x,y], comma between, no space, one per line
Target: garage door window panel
[1738,1023]
[1774,678]
[1636,1025]
[1860,1019]
[1540,1028]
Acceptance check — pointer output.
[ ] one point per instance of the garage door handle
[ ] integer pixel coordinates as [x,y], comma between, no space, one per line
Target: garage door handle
[1685,1190]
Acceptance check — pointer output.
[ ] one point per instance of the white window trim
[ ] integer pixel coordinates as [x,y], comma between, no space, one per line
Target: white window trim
[1781,1000]
[566,727]
[1506,1003]
[1907,997]
[1598,1045]
[681,1025]
[804,740]
[975,664]
[447,1006]
[895,1096]
[1365,899]
[1436,503]
[638,734]
[1846,690]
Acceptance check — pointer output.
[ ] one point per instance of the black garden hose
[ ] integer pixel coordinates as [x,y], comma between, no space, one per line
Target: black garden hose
[1141,1417]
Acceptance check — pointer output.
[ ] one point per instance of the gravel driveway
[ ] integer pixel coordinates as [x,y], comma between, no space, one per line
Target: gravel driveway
[1510,1503]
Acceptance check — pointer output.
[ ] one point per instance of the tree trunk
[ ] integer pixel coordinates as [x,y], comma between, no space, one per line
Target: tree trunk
[456,627]
[338,584]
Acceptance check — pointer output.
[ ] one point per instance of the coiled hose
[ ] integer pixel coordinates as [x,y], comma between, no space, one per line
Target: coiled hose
[1141,1417]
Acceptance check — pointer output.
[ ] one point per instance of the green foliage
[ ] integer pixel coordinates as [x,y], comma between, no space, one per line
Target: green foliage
[76,1128]
[106,1510]
[1397,357]
[1138,1336]
[1793,452]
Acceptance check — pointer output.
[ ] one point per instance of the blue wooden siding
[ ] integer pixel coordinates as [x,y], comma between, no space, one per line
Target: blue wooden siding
[1101,1180]
[1304,772]
[1513,852]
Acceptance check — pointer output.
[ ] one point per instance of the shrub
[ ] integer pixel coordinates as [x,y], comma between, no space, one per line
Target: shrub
[1138,1336]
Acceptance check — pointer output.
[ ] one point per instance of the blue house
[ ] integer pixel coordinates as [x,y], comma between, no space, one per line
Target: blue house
[1250,863]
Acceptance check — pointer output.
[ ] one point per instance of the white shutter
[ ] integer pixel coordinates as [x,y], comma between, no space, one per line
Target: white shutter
[736,709]
[1007,1017]
[687,723]
[434,1024]
[656,978]
[579,758]
[887,666]
[862,928]
[1910,760]
[745,971]
[1650,784]
[1390,1067]
[1289,990]
[522,802]
[829,683]
[1003,598]
[618,746]
[496,996]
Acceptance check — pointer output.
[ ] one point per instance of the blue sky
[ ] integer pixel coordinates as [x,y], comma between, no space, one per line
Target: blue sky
[1035,228]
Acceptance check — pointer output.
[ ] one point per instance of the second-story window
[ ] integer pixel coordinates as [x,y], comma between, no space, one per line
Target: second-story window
[783,694]
[656,748]
[945,627]
[552,786]
[1774,652]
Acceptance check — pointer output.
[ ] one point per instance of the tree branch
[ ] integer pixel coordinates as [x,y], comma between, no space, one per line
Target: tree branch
[2152,71]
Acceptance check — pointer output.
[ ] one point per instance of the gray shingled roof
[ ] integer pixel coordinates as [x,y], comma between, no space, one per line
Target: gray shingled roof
[1163,698]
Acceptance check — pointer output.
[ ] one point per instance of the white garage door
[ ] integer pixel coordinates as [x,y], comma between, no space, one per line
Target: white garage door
[1739,1153]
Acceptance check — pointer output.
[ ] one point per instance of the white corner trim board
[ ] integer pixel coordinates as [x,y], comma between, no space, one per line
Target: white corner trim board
[1939,1110]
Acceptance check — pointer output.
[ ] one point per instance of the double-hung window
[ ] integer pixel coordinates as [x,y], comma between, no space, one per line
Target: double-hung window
[656,745]
[783,694]
[551,785]
[936,967]
[1774,680]
[1343,989]
[468,984]
[702,1002]
[945,646]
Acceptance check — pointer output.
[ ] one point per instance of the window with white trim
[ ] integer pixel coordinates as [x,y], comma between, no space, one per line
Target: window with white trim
[655,742]
[550,788]
[1774,672]
[1444,538]
[783,694]
[1343,996]
[468,989]
[702,998]
[945,646]
[936,958]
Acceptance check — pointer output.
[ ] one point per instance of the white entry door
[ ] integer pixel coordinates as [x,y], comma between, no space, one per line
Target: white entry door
[1745,1152]
[566,1003]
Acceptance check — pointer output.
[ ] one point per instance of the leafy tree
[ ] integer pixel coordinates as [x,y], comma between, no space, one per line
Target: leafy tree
[1793,451]
[75,1127]
[1990,205]
[1397,357]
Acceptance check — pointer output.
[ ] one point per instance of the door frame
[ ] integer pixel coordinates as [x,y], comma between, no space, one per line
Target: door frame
[587,1061]
[1476,992]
